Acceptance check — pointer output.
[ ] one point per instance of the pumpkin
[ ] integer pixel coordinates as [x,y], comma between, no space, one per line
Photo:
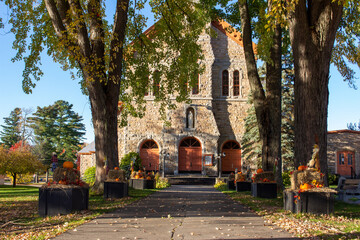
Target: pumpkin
[301,168]
[148,178]
[116,168]
[68,164]
[259,170]
[305,186]
[117,179]
[137,176]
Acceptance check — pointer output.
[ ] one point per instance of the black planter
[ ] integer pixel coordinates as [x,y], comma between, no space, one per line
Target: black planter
[115,189]
[264,190]
[243,186]
[309,202]
[231,185]
[54,201]
[142,184]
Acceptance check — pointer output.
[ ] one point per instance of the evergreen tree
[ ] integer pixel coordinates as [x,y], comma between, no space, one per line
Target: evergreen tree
[354,126]
[57,128]
[11,133]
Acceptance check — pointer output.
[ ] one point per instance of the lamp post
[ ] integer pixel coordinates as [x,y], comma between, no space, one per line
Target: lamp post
[166,155]
[220,155]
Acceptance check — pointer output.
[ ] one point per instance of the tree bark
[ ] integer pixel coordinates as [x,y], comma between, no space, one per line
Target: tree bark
[267,107]
[14,180]
[313,26]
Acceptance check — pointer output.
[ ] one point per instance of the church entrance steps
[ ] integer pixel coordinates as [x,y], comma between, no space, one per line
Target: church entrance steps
[191,180]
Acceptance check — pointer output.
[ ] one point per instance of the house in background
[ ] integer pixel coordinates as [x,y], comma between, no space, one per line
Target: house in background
[86,158]
[343,152]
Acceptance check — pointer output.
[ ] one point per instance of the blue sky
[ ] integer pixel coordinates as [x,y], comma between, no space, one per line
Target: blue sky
[57,85]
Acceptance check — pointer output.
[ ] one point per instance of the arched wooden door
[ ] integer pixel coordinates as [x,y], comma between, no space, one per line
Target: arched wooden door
[149,154]
[232,157]
[345,161]
[190,155]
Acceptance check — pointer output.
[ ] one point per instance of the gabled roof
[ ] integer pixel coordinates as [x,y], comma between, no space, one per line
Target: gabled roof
[343,131]
[89,149]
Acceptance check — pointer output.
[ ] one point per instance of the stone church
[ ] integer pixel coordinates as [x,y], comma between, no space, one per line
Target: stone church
[209,128]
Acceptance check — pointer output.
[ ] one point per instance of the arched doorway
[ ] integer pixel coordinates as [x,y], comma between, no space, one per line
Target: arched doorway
[149,154]
[190,155]
[232,159]
[345,162]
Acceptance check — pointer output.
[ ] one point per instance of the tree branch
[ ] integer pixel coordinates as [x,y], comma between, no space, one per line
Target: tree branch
[56,19]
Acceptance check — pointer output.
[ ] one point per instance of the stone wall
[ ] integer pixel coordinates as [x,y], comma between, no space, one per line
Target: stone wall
[86,160]
[343,140]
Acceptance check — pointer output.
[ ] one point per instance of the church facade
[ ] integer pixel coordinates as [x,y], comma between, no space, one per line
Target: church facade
[209,128]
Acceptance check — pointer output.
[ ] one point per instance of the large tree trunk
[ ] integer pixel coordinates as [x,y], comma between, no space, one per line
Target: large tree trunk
[313,27]
[267,108]
[14,180]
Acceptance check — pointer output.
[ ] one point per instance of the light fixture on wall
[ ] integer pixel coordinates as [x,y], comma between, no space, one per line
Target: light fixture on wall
[166,155]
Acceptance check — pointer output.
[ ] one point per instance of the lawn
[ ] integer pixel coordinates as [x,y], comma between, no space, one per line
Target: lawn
[343,224]
[19,217]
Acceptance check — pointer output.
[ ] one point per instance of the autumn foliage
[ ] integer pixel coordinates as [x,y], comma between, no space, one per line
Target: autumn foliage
[19,160]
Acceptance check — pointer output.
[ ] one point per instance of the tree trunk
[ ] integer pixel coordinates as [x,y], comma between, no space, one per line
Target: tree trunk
[273,107]
[267,108]
[14,180]
[313,27]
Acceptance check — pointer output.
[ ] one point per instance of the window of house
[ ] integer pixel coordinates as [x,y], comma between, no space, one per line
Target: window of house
[236,83]
[156,83]
[195,89]
[341,159]
[225,83]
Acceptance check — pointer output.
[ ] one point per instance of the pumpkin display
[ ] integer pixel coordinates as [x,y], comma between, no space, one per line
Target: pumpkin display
[301,168]
[305,186]
[68,164]
[259,170]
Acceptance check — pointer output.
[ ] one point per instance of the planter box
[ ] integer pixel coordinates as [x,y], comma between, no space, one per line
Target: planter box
[54,201]
[309,202]
[115,189]
[243,186]
[231,185]
[264,190]
[142,184]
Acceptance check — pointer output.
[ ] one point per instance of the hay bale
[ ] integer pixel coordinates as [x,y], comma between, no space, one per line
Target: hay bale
[305,176]
[116,174]
[260,176]
[69,175]
[239,177]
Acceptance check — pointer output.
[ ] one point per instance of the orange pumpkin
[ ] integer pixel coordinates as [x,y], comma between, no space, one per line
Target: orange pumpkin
[301,168]
[148,178]
[117,179]
[116,168]
[137,176]
[68,164]
[305,186]
[259,170]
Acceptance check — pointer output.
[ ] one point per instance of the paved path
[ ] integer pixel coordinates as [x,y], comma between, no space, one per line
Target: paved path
[179,212]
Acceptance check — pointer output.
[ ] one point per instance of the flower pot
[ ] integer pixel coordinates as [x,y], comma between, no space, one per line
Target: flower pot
[142,184]
[243,186]
[115,189]
[309,202]
[54,201]
[264,190]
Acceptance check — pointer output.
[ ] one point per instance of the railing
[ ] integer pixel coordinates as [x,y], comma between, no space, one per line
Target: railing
[353,174]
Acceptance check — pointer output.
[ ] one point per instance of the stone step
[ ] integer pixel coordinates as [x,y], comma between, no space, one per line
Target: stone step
[191,180]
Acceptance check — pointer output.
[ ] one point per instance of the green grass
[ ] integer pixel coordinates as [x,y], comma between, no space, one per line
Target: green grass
[19,217]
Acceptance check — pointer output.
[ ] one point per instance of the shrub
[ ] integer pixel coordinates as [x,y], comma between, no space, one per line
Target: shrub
[221,186]
[125,164]
[89,175]
[333,179]
[22,178]
[286,178]
[161,182]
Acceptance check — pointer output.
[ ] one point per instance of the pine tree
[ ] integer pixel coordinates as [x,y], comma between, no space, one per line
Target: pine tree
[57,128]
[11,133]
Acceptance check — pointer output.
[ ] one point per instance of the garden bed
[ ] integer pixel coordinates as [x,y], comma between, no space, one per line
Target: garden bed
[243,186]
[264,190]
[142,184]
[115,189]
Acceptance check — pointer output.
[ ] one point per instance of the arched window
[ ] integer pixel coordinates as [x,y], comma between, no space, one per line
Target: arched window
[156,83]
[225,83]
[190,118]
[195,89]
[236,83]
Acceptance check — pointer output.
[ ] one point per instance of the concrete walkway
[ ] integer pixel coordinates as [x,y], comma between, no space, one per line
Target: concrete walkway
[179,212]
